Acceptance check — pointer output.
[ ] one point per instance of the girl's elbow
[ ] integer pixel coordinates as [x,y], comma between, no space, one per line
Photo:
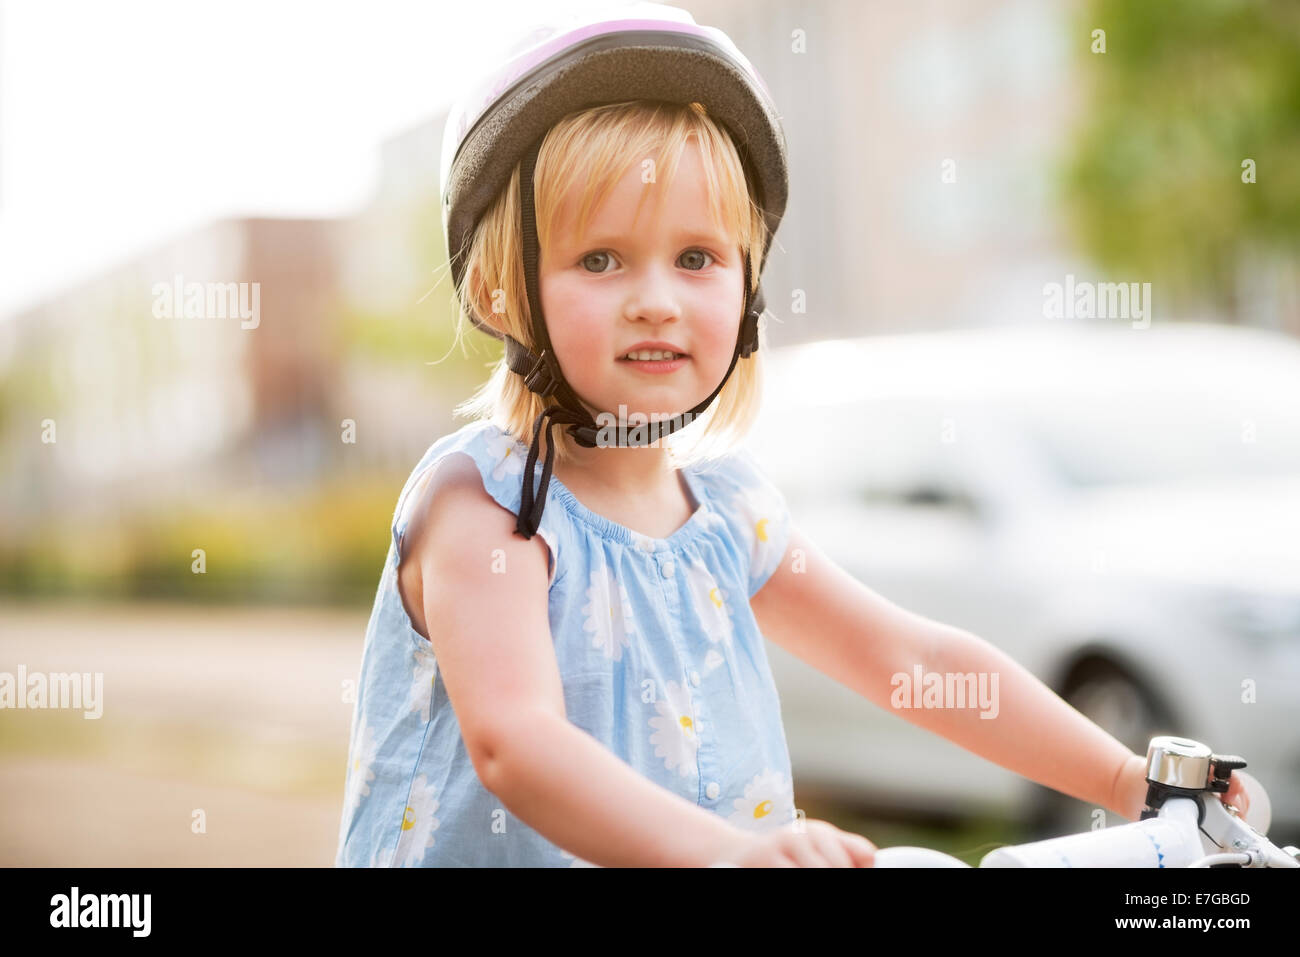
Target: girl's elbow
[496,748]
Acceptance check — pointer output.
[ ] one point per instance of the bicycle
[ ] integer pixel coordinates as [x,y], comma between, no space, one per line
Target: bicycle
[1184,824]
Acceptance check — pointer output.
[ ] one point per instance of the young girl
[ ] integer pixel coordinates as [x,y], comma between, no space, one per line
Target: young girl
[565,664]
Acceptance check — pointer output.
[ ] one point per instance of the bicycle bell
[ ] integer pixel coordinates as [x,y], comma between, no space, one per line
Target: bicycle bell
[1180,767]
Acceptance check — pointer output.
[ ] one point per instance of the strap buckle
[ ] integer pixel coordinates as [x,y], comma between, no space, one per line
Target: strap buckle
[749,334]
[749,324]
[535,370]
[539,378]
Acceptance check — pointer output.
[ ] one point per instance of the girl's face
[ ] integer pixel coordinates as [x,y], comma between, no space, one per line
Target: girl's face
[667,276]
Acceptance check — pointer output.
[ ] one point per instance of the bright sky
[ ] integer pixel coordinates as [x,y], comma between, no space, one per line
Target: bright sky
[124,123]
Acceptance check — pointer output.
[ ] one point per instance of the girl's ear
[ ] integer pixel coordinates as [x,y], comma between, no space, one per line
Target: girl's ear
[482,299]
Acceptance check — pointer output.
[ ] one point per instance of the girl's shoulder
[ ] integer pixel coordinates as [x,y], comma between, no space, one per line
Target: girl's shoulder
[499,460]
[737,483]
[751,506]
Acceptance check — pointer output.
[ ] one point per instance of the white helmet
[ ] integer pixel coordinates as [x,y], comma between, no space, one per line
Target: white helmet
[646,51]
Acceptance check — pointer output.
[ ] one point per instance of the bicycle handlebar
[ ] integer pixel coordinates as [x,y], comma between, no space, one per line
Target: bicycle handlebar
[1185,824]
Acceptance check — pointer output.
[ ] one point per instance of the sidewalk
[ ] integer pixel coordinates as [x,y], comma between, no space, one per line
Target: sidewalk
[237,712]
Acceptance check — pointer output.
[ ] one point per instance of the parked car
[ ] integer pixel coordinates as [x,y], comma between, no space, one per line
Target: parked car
[1116,508]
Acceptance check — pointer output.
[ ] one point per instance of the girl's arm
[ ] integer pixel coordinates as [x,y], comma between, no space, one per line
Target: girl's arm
[823,615]
[491,637]
[573,791]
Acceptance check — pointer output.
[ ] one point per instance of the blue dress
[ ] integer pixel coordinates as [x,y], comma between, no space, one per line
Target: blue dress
[659,654]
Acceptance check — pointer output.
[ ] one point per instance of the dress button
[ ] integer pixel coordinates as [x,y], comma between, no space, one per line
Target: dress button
[712,790]
[695,678]
[668,569]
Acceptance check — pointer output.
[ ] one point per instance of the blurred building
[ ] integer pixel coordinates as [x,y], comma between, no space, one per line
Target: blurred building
[147,410]
[147,404]
[921,139]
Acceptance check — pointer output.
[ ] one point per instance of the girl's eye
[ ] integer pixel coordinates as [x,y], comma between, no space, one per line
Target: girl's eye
[693,253]
[692,259]
[586,260]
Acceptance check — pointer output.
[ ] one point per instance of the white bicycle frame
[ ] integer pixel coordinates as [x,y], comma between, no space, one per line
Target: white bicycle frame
[1191,827]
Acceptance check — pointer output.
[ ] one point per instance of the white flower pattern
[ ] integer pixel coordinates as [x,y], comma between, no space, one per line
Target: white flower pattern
[759,509]
[677,729]
[425,669]
[508,455]
[575,861]
[418,824]
[360,770]
[710,603]
[768,803]
[608,616]
[643,542]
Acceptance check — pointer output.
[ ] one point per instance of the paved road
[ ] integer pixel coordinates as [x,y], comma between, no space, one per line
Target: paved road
[236,713]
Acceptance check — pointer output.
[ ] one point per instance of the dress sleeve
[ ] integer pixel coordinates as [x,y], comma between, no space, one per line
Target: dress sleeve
[756,510]
[500,462]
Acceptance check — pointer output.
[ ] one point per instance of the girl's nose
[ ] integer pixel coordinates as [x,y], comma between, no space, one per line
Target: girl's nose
[653,297]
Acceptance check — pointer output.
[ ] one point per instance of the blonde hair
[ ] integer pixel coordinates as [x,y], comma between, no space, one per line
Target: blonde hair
[597,146]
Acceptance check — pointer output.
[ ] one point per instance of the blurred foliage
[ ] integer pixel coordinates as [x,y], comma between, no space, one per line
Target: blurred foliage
[408,339]
[1185,91]
[424,325]
[325,544]
[28,382]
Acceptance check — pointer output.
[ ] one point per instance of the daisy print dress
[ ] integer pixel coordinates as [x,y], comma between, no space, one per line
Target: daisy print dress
[660,658]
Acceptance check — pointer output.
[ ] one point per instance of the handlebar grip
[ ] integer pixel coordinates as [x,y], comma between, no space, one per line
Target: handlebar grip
[1171,840]
[903,856]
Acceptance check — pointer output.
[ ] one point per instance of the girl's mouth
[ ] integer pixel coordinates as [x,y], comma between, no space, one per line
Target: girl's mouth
[669,362]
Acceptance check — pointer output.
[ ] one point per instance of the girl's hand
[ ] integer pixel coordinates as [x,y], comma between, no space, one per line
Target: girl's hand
[1236,795]
[799,844]
[1132,788]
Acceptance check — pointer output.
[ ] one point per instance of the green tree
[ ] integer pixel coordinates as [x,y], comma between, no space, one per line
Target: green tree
[1185,93]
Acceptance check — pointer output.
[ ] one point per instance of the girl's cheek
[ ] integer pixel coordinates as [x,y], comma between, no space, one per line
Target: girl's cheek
[572,316]
[723,331]
[587,331]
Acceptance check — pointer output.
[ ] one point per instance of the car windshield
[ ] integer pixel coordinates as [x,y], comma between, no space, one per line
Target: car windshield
[1142,435]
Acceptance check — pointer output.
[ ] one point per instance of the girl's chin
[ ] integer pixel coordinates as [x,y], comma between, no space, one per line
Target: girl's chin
[658,407]
[639,412]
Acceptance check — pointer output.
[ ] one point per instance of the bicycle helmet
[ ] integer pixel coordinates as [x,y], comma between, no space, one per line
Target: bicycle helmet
[645,52]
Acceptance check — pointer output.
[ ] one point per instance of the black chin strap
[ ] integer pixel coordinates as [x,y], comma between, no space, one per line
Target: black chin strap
[542,375]
[530,506]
